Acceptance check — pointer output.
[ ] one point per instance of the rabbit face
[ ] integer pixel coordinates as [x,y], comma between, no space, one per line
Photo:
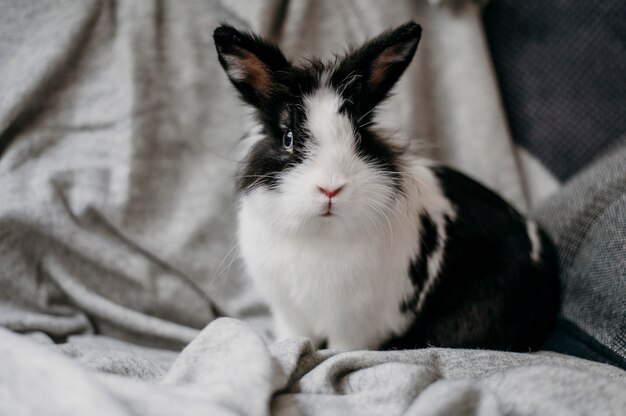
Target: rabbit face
[318,166]
[328,179]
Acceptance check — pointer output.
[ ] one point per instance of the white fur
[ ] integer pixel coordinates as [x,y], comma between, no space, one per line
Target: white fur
[235,68]
[440,211]
[342,277]
[535,242]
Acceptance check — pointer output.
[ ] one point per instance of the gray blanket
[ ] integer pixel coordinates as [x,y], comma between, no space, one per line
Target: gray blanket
[229,370]
[118,135]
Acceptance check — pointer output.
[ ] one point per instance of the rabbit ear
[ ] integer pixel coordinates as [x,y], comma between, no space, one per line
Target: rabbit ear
[254,66]
[368,73]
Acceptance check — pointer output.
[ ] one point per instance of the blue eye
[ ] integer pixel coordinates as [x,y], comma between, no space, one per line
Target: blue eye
[288,140]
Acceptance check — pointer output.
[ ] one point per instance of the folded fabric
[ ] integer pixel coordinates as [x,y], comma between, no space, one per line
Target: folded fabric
[230,370]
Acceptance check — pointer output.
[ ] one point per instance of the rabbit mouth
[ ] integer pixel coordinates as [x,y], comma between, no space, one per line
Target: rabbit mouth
[327,210]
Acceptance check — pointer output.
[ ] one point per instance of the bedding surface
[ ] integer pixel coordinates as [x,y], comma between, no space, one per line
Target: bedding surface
[229,370]
[118,146]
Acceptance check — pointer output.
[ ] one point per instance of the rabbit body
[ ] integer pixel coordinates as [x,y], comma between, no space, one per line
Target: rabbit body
[347,288]
[353,241]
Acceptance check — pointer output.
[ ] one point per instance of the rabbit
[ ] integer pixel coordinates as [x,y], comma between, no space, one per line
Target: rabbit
[353,242]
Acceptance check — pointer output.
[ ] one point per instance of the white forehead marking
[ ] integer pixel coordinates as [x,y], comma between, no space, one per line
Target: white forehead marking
[328,127]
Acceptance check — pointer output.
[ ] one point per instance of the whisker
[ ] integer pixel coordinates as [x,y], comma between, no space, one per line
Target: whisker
[219,272]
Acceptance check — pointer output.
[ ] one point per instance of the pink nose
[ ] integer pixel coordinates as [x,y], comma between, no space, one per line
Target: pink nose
[330,192]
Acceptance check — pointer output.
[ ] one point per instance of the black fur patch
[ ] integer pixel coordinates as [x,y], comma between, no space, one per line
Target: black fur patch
[268,159]
[489,292]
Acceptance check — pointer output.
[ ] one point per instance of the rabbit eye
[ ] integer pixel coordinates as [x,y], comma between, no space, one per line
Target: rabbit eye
[288,140]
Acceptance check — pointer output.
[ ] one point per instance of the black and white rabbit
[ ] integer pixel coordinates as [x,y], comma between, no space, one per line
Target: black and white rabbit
[354,242]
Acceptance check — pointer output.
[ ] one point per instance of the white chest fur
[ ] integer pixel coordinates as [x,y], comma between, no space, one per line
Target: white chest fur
[343,287]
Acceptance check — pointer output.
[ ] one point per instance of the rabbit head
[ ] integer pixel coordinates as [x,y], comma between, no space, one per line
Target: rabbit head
[319,165]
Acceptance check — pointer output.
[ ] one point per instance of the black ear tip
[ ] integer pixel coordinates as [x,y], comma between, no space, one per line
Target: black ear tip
[225,34]
[411,29]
